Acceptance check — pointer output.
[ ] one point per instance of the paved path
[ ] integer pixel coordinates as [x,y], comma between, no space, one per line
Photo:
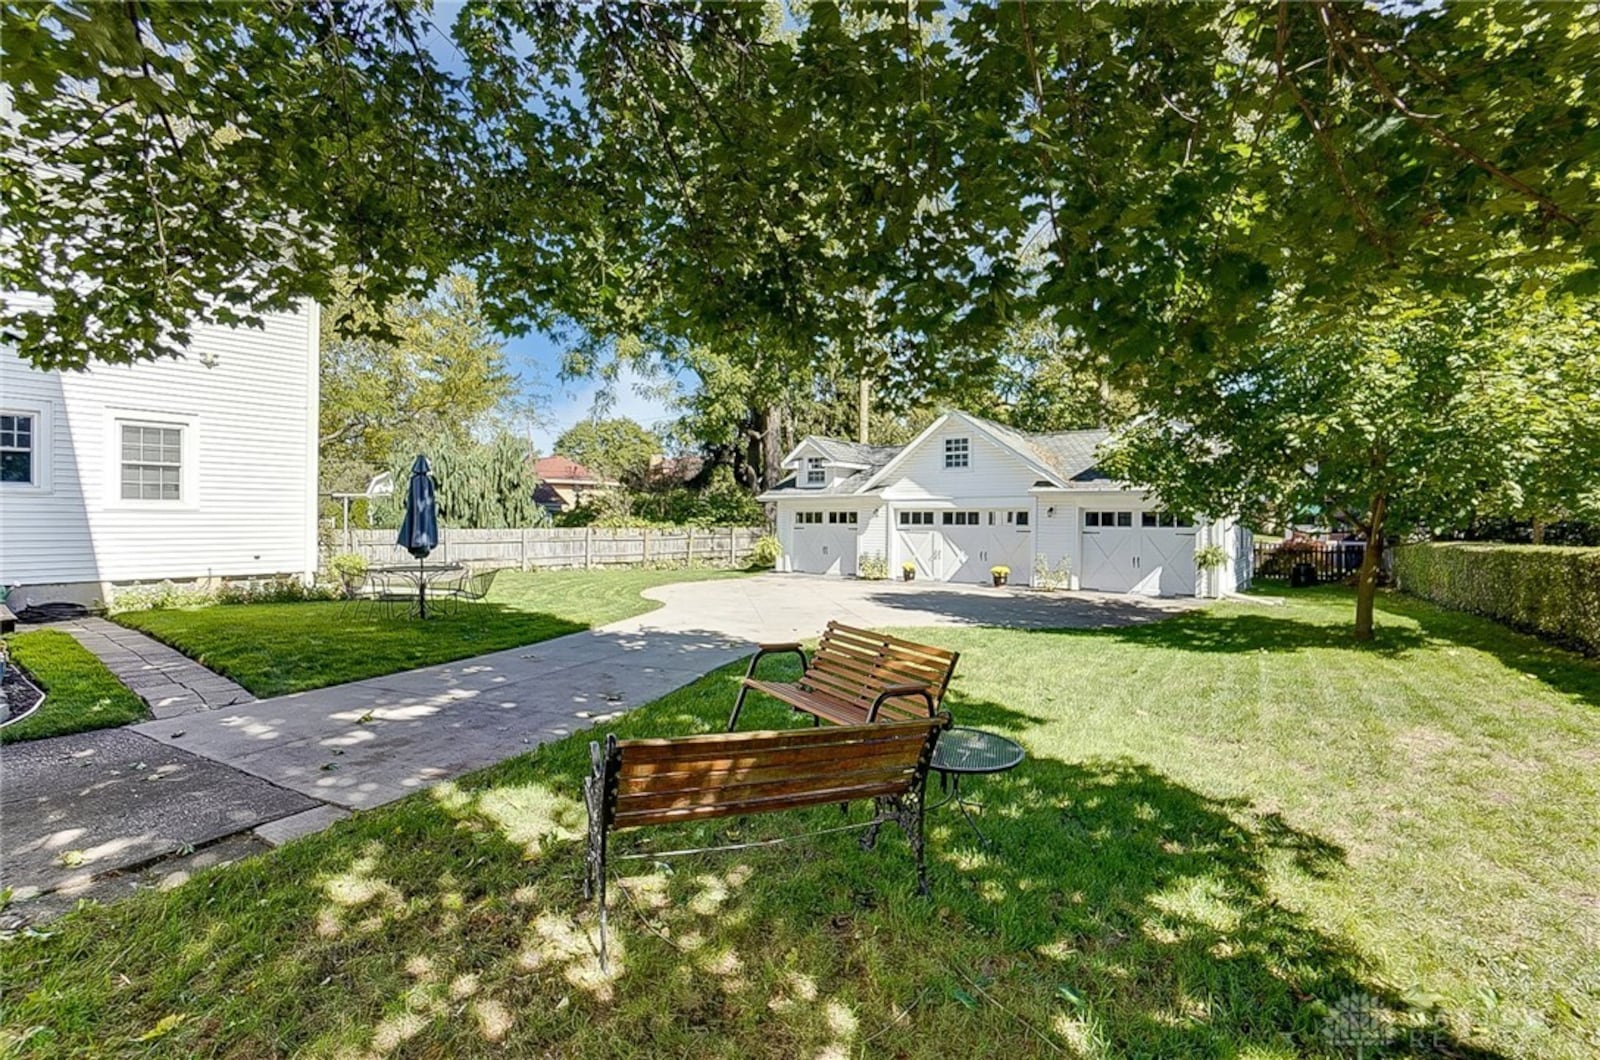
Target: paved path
[288,765]
[171,683]
[363,744]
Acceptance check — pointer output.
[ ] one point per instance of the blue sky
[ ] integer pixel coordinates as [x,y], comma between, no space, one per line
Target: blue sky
[536,358]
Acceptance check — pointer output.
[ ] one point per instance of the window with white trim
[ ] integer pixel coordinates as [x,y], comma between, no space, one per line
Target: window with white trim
[957,453]
[19,439]
[807,518]
[916,518]
[816,474]
[842,518]
[152,462]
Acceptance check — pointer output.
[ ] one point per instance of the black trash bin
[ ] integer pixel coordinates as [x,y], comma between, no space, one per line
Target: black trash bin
[1302,574]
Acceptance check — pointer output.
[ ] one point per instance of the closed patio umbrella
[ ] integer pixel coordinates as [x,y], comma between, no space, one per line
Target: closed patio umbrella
[419,530]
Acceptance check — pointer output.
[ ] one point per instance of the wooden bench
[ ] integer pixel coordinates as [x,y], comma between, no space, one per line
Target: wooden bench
[857,677]
[638,783]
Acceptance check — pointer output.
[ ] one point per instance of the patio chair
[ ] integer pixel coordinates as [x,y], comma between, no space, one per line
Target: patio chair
[471,589]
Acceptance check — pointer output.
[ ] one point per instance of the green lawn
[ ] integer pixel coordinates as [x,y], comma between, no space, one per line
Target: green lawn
[80,693]
[274,649]
[1229,822]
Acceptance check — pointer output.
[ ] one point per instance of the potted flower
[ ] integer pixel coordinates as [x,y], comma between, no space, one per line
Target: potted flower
[1000,573]
[908,571]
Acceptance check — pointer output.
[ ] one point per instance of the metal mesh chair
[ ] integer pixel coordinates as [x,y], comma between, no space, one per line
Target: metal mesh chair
[472,588]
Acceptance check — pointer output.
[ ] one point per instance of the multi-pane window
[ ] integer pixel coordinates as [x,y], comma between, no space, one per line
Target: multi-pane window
[957,452]
[842,518]
[816,474]
[916,518]
[960,518]
[1164,519]
[1107,518]
[152,463]
[17,448]
[1022,518]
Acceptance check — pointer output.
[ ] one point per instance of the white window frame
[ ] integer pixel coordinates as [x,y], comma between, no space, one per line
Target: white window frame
[188,428]
[814,466]
[958,447]
[41,433]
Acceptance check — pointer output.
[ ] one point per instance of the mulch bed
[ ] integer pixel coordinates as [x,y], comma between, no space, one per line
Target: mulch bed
[18,694]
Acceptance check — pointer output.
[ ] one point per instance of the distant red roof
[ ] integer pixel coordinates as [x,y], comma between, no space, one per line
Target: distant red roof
[560,469]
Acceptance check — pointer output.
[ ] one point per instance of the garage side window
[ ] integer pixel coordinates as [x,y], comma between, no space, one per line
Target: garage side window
[842,518]
[807,518]
[957,453]
[916,518]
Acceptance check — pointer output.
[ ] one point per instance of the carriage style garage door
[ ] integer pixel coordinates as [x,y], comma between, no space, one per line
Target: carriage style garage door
[1149,552]
[824,542]
[961,546]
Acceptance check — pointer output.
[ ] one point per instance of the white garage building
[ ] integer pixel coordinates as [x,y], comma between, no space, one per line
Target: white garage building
[967,495]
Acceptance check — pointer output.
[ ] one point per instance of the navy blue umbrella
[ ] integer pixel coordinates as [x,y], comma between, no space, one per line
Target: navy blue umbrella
[419,530]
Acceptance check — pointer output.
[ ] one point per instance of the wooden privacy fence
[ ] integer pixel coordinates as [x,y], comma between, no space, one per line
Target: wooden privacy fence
[1331,561]
[551,549]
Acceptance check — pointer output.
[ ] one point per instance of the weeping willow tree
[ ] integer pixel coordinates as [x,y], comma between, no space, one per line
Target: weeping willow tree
[479,485]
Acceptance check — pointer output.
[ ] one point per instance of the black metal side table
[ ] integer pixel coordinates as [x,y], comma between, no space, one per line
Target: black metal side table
[971,752]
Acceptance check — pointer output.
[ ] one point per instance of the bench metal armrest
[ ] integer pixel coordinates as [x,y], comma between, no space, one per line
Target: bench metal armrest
[898,692]
[750,672]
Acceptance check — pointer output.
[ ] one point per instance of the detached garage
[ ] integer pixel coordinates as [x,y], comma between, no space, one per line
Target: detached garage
[968,495]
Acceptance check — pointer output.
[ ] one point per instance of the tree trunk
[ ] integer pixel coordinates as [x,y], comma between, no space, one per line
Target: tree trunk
[1367,578]
[863,409]
[1538,531]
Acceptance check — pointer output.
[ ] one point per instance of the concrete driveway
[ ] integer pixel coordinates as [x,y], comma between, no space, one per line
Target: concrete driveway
[364,744]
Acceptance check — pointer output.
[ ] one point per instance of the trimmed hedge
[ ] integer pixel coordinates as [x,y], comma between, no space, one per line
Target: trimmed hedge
[1548,590]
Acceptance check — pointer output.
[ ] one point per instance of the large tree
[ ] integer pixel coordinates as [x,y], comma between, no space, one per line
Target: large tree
[1414,418]
[429,367]
[617,447]
[1153,175]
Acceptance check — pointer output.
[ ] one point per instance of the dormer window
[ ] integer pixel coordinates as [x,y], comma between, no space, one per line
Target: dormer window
[816,474]
[957,453]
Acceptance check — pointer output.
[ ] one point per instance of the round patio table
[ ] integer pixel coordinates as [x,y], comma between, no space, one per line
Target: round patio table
[420,576]
[964,752]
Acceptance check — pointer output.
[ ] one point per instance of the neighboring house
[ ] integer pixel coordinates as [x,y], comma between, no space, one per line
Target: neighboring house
[192,469]
[565,484]
[967,495]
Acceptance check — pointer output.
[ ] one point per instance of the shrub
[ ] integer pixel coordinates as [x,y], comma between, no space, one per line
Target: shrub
[872,567]
[766,552]
[1212,557]
[1046,577]
[160,596]
[348,569]
[274,591]
[1552,591]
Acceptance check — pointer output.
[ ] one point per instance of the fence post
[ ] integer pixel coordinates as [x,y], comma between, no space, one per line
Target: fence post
[588,547]
[644,536]
[689,558]
[524,536]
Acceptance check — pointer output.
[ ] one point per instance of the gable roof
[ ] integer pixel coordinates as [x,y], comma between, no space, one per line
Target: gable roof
[564,470]
[1061,459]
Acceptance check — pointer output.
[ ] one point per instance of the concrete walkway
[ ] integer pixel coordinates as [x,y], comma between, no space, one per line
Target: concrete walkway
[170,683]
[366,743]
[290,765]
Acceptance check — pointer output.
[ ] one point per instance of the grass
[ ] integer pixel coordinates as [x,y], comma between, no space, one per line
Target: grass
[80,693]
[1229,821]
[275,649]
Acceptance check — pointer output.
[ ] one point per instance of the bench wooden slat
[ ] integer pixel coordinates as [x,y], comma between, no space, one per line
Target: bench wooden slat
[722,745]
[802,783]
[670,776]
[826,797]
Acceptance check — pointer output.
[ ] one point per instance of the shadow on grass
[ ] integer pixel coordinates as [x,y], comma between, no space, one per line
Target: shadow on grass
[1119,913]
[1565,671]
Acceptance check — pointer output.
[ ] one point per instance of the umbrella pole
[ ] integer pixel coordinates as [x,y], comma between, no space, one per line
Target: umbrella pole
[422,589]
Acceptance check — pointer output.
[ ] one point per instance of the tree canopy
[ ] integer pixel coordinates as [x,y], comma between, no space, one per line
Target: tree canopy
[434,369]
[1420,416]
[770,185]
[618,448]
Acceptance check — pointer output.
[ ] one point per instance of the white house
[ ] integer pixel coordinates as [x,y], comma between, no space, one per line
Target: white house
[199,468]
[967,495]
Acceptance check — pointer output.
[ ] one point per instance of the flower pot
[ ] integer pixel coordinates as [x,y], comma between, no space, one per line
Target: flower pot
[1000,580]
[909,575]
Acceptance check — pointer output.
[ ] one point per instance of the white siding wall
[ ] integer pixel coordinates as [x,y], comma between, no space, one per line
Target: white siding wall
[995,477]
[1056,537]
[876,537]
[249,454]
